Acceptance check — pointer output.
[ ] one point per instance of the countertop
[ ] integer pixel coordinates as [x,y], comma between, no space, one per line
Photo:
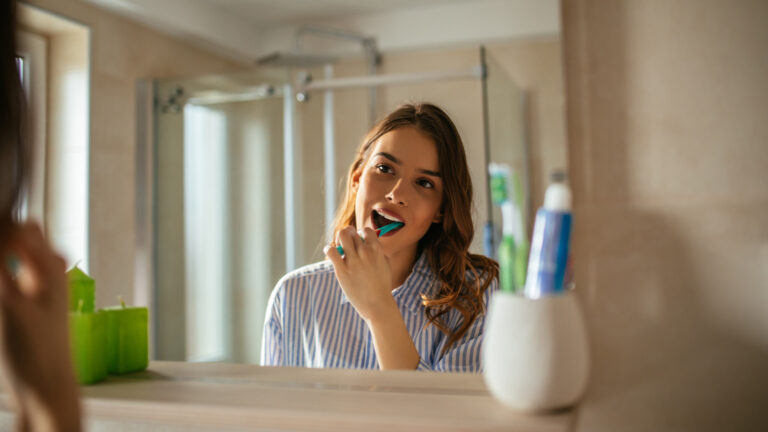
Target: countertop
[221,396]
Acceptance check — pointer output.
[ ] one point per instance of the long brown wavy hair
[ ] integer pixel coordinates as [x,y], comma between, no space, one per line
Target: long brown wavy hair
[463,277]
[14,150]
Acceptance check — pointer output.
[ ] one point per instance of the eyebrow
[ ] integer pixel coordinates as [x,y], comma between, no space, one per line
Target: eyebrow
[397,161]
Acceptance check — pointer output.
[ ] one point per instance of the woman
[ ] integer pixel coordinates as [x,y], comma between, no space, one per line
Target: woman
[36,362]
[412,299]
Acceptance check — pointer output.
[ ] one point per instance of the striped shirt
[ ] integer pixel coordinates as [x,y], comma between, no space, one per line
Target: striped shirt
[310,323]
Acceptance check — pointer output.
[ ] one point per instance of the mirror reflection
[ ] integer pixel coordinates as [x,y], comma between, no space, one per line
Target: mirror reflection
[245,177]
[252,178]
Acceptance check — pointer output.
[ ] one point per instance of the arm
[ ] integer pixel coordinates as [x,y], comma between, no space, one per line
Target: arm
[393,344]
[365,277]
[34,335]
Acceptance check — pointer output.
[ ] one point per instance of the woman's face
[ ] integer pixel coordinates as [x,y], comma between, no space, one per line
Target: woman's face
[400,182]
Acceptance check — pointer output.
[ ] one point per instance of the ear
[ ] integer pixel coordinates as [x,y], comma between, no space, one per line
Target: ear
[356,180]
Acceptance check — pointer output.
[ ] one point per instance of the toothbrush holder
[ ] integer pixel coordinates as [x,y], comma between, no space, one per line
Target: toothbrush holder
[535,351]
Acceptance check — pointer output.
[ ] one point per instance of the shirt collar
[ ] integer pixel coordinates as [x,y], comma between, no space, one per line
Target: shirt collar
[421,281]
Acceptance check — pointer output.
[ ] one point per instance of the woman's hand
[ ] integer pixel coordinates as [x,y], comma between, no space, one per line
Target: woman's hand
[366,279]
[34,332]
[364,273]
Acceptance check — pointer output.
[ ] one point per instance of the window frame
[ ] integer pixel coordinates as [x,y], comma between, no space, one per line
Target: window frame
[32,49]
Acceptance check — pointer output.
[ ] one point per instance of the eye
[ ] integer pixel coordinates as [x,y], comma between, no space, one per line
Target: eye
[384,168]
[425,184]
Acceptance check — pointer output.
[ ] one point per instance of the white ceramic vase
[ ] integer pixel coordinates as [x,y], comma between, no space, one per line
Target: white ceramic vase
[535,351]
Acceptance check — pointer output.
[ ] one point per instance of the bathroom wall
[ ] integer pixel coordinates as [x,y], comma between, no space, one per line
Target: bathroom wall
[121,52]
[668,150]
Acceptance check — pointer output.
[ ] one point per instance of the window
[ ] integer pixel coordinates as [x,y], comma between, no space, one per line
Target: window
[53,61]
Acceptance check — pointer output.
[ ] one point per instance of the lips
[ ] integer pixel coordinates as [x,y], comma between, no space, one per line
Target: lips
[382,217]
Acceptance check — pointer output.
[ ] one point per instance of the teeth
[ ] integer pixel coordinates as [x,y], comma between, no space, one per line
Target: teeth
[388,217]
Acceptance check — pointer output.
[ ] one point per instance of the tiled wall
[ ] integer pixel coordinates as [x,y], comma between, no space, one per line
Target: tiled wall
[668,150]
[121,52]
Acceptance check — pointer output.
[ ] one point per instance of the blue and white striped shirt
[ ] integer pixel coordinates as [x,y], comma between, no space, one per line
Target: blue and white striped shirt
[311,323]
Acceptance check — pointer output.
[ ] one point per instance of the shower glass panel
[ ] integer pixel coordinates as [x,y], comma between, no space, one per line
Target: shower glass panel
[505,105]
[219,225]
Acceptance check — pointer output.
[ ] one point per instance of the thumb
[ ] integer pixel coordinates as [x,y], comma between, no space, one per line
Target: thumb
[9,291]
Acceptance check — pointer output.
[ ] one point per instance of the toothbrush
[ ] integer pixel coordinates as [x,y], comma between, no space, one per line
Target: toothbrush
[383,230]
[513,251]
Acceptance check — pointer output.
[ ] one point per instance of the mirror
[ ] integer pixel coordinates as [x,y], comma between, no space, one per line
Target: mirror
[243,180]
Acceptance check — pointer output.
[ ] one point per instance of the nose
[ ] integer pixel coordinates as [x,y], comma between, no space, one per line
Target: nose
[397,194]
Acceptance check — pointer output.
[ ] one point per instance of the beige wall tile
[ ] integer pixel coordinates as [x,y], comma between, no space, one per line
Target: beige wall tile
[667,102]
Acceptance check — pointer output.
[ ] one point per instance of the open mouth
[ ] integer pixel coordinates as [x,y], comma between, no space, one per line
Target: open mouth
[380,220]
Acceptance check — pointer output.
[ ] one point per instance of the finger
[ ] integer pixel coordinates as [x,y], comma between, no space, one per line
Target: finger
[357,237]
[28,244]
[34,239]
[369,236]
[9,266]
[9,290]
[347,238]
[40,265]
[334,256]
[370,241]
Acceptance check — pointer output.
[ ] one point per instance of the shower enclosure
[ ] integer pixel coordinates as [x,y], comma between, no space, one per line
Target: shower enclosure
[240,174]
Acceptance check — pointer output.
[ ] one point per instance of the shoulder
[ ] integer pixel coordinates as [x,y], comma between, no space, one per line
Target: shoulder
[307,273]
[304,277]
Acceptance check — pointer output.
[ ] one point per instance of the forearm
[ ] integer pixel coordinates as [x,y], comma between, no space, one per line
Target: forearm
[391,340]
[64,416]
[56,408]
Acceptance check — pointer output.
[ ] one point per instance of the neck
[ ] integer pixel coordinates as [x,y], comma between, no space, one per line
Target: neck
[401,265]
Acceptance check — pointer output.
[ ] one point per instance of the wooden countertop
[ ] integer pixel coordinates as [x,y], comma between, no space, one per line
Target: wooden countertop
[233,396]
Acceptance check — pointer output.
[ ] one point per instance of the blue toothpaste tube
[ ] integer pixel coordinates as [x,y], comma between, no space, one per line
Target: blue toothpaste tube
[551,242]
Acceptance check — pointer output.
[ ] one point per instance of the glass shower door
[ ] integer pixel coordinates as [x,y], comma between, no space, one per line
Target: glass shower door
[219,230]
[505,117]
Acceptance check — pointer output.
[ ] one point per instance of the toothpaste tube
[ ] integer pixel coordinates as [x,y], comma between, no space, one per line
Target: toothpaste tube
[551,242]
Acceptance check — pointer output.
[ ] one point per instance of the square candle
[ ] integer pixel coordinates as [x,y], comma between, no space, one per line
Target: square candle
[127,339]
[88,340]
[82,290]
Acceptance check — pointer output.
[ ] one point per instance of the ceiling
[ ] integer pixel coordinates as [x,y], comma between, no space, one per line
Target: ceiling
[244,30]
[271,13]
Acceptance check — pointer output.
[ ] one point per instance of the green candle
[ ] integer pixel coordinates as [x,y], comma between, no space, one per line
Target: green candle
[127,342]
[81,288]
[88,339]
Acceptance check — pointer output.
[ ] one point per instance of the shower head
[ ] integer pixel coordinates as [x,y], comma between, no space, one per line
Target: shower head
[282,59]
